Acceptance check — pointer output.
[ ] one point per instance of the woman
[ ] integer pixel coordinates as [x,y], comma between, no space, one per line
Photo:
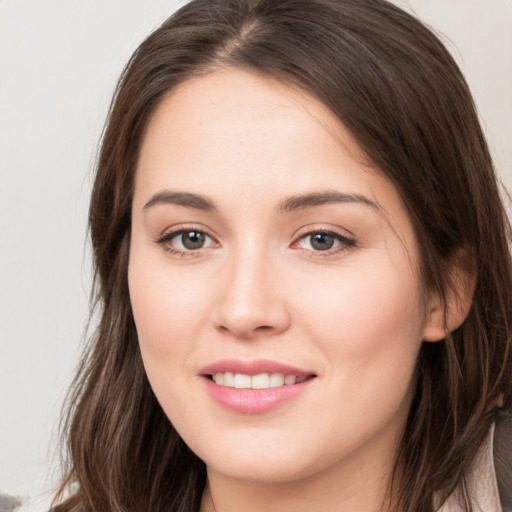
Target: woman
[303,272]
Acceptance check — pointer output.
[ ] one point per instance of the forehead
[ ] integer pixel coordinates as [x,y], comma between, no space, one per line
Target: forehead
[240,137]
[231,115]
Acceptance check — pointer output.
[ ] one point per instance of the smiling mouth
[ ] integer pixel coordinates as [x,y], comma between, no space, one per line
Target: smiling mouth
[259,381]
[254,386]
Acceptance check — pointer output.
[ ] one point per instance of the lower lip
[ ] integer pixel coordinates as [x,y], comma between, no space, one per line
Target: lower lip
[252,401]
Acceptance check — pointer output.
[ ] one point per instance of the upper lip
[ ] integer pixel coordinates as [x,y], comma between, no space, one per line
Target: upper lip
[253,367]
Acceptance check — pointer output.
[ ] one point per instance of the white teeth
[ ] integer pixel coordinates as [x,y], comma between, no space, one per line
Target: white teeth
[242,381]
[260,381]
[289,380]
[276,380]
[229,379]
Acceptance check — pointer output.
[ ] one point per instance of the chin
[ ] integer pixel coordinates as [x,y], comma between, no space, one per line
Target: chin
[263,469]
[265,456]
[252,455]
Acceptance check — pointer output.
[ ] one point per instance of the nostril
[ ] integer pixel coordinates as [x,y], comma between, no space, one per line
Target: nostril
[244,331]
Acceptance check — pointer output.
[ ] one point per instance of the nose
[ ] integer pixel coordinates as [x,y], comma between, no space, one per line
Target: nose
[252,299]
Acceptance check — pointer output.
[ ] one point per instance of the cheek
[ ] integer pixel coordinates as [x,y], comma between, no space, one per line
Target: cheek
[368,326]
[159,305]
[370,321]
[169,309]
[377,294]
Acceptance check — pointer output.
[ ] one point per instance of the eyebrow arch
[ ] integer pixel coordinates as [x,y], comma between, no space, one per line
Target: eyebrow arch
[302,202]
[182,199]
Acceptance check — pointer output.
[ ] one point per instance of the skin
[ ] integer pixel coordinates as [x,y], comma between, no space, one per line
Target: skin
[355,316]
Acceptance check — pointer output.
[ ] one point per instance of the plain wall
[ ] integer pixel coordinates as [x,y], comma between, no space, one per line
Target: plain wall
[59,62]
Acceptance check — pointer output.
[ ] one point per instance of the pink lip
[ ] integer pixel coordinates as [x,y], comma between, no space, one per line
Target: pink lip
[251,401]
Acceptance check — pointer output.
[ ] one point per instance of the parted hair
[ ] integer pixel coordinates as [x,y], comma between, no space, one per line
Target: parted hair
[395,87]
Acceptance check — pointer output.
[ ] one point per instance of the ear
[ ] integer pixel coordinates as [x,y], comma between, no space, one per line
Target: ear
[444,316]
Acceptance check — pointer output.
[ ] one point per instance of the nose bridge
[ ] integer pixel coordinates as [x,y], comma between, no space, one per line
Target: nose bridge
[250,300]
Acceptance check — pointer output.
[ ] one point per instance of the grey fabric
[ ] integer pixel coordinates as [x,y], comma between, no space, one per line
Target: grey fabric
[8,503]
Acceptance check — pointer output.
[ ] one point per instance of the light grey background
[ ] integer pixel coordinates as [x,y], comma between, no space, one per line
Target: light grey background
[59,61]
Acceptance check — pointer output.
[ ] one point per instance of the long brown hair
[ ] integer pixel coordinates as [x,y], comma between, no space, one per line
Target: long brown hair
[392,83]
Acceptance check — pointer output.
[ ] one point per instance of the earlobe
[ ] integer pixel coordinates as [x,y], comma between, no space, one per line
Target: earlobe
[435,328]
[444,316]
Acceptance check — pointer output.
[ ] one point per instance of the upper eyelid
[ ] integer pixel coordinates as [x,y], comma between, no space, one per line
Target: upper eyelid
[330,231]
[173,231]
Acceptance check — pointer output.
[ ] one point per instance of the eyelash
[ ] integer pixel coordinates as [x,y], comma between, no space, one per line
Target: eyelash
[345,242]
[166,238]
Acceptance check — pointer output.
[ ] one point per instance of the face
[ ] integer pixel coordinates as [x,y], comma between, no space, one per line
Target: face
[274,282]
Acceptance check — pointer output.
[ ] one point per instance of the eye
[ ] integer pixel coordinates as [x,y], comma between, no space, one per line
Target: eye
[186,241]
[324,241]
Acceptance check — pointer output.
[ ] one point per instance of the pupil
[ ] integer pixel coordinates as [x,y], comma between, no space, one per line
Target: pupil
[192,239]
[322,242]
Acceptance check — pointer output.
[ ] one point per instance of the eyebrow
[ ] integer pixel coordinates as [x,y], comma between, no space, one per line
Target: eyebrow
[182,199]
[291,204]
[305,201]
